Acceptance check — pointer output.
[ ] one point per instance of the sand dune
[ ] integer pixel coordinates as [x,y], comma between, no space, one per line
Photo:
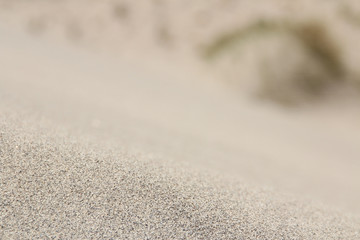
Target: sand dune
[151,145]
[55,186]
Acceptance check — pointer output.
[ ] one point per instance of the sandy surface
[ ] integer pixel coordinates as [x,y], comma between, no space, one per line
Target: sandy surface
[149,144]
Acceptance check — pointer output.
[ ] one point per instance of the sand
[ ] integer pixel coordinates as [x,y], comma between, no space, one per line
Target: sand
[150,145]
[56,186]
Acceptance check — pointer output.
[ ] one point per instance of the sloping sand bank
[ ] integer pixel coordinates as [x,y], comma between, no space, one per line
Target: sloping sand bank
[55,186]
[92,146]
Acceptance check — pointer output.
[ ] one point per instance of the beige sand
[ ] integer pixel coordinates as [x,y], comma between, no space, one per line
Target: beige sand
[106,146]
[55,186]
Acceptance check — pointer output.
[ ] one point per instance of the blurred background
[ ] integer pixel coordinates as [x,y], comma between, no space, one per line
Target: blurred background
[265,91]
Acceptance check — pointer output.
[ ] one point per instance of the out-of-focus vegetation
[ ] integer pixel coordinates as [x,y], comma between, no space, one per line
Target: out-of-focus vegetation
[350,15]
[290,61]
[294,60]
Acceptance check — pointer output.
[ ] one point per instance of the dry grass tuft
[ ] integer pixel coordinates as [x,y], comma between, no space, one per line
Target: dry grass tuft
[315,37]
[297,61]
[229,40]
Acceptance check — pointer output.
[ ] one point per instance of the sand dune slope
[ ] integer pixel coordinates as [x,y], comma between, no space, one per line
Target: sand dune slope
[99,146]
[55,186]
